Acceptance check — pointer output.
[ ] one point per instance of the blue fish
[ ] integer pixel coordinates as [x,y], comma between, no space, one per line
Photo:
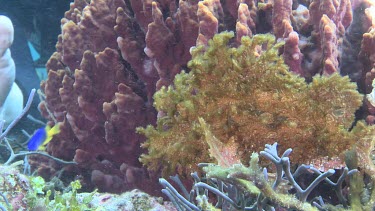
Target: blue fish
[41,137]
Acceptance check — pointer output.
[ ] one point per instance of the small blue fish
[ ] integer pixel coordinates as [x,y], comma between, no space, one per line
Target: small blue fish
[41,137]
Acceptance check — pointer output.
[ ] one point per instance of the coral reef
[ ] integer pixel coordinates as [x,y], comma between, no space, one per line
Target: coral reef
[249,187]
[20,192]
[24,192]
[43,197]
[14,188]
[113,55]
[97,97]
[132,200]
[249,98]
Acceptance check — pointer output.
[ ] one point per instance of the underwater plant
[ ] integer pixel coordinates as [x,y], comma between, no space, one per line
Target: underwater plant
[40,199]
[248,97]
[241,187]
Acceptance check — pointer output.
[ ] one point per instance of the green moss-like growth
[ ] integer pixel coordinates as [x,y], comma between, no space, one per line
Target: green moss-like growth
[40,199]
[247,95]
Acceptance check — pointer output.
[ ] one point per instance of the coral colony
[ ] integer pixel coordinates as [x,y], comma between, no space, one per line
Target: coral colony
[144,89]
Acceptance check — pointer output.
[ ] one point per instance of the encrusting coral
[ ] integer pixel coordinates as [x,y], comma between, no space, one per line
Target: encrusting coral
[249,98]
[110,59]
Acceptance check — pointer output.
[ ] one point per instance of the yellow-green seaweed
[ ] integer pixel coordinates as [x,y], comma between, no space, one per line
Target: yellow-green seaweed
[248,95]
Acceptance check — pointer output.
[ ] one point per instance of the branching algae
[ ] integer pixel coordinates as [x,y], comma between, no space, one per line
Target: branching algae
[248,96]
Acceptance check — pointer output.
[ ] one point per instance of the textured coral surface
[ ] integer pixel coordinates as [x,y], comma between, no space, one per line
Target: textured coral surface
[14,186]
[112,55]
